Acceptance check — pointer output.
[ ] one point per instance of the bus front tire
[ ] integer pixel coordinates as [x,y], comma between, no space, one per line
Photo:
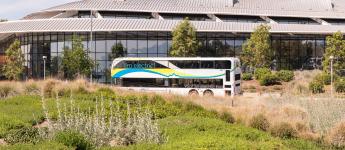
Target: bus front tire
[208,93]
[193,93]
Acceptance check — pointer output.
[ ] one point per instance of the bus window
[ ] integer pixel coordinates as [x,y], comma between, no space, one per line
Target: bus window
[224,64]
[191,64]
[120,65]
[227,75]
[178,64]
[207,64]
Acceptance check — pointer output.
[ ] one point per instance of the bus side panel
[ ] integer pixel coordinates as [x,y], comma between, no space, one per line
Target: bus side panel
[178,91]
[168,73]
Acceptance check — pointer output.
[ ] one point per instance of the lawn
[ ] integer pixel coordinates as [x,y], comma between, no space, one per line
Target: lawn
[184,125]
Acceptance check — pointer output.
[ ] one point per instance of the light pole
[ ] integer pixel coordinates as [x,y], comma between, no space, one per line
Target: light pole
[91,40]
[44,67]
[331,58]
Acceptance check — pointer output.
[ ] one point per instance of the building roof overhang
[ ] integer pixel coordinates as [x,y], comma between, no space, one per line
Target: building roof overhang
[109,25]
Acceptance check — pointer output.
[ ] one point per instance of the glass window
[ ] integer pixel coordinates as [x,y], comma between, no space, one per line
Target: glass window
[110,45]
[320,48]
[132,46]
[60,47]
[100,46]
[162,55]
[238,47]
[162,46]
[142,46]
[85,45]
[54,37]
[68,41]
[152,46]
[153,55]
[132,55]
[101,56]
[230,48]
[54,47]
[142,55]
[102,65]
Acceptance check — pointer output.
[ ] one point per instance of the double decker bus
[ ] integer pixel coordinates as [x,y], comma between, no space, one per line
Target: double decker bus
[208,76]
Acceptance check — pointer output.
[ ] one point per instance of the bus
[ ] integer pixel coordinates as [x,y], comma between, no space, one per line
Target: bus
[204,76]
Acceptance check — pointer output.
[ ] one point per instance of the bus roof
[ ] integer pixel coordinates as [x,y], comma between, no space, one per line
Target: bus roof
[176,58]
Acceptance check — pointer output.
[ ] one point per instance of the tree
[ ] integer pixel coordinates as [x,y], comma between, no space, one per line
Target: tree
[76,62]
[3,20]
[117,51]
[257,51]
[184,41]
[335,46]
[14,63]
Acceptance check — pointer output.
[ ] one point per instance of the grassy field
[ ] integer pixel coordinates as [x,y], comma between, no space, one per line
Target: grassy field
[184,125]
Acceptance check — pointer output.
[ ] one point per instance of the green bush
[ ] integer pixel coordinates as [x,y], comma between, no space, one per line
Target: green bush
[316,87]
[259,122]
[73,139]
[339,85]
[23,135]
[247,76]
[324,78]
[260,72]
[227,117]
[284,130]
[268,79]
[285,75]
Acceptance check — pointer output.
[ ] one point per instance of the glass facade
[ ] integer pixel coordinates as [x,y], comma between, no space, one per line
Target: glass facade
[291,51]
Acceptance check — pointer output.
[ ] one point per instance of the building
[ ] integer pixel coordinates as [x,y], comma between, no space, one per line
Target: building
[299,28]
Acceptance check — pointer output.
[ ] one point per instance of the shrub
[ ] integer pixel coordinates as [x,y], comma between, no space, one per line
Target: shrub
[48,89]
[6,91]
[259,122]
[336,136]
[247,76]
[339,85]
[268,79]
[324,78]
[260,72]
[31,89]
[23,135]
[284,130]
[73,139]
[316,87]
[227,117]
[285,75]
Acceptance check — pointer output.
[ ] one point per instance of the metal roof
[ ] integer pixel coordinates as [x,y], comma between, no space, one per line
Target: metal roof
[291,8]
[83,25]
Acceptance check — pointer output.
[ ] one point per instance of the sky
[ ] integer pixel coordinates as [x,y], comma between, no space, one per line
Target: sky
[16,9]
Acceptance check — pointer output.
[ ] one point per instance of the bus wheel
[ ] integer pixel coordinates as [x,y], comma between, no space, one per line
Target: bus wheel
[193,93]
[208,93]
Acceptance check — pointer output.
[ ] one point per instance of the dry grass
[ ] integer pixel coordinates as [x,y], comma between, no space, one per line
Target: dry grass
[336,136]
